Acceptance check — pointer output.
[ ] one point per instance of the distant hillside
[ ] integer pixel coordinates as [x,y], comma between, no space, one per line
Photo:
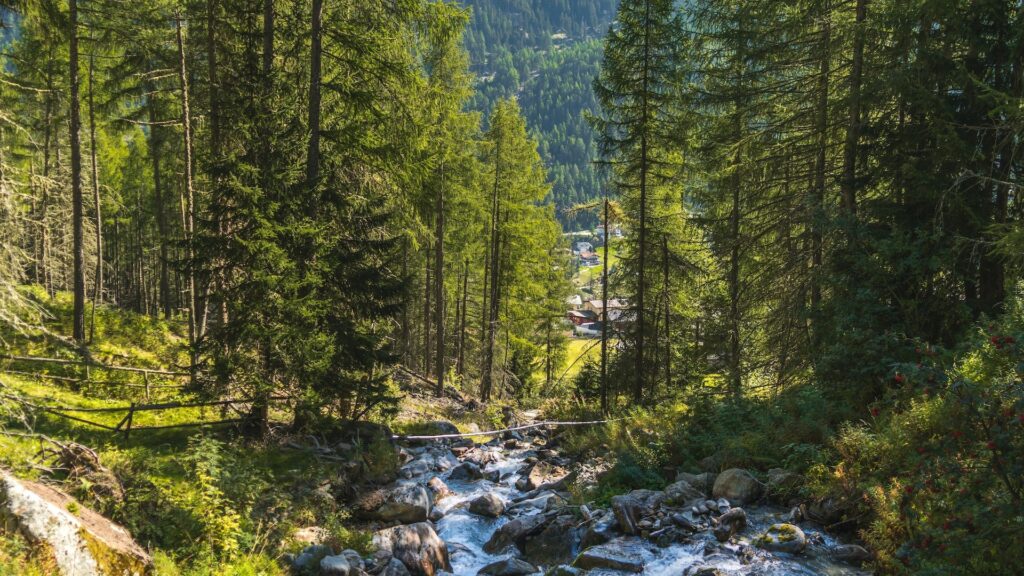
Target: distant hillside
[546,53]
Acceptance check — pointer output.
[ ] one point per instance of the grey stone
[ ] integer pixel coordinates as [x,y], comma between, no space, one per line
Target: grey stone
[738,486]
[619,555]
[334,566]
[508,567]
[487,505]
[785,538]
[417,546]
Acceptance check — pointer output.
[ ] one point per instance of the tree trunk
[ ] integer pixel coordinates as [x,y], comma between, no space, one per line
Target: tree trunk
[668,314]
[848,187]
[638,383]
[315,54]
[78,239]
[439,306]
[492,307]
[428,289]
[97,294]
[190,207]
[818,191]
[215,148]
[161,210]
[604,321]
[460,366]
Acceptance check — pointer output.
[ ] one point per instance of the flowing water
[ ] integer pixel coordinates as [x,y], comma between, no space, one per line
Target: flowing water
[466,534]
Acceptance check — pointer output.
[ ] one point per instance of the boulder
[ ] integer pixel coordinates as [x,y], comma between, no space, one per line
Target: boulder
[783,485]
[705,481]
[599,531]
[543,474]
[417,546]
[439,488]
[82,542]
[558,543]
[467,471]
[629,508]
[785,538]
[487,505]
[508,567]
[622,555]
[681,492]
[732,521]
[516,532]
[405,503]
[438,427]
[850,554]
[310,556]
[563,570]
[335,566]
[738,486]
[394,567]
[824,511]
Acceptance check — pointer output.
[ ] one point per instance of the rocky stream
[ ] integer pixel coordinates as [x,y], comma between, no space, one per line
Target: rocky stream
[502,509]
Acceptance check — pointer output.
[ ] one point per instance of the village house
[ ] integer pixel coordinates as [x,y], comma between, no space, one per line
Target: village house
[615,308]
[589,259]
[580,317]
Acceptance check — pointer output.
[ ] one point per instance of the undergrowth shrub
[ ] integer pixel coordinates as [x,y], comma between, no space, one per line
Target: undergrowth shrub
[936,469]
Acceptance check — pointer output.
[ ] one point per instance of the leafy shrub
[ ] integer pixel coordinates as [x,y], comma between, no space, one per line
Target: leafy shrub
[938,467]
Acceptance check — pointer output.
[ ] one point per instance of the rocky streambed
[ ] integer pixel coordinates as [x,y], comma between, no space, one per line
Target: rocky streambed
[502,509]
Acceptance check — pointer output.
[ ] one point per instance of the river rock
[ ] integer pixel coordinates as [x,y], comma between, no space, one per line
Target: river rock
[438,427]
[850,554]
[732,521]
[467,471]
[508,567]
[487,505]
[439,488]
[415,545]
[563,570]
[516,532]
[405,503]
[704,481]
[335,566]
[310,557]
[738,486]
[541,474]
[622,555]
[556,544]
[630,508]
[681,492]
[82,542]
[783,485]
[394,567]
[783,538]
[824,511]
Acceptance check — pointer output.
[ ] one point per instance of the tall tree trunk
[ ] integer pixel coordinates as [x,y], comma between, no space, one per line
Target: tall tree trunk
[668,315]
[460,365]
[155,142]
[77,223]
[315,55]
[406,331]
[42,267]
[215,146]
[439,306]
[493,260]
[818,190]
[604,307]
[848,186]
[735,364]
[190,207]
[428,290]
[641,329]
[97,294]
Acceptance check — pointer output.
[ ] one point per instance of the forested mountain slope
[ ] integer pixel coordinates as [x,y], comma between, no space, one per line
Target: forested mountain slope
[546,53]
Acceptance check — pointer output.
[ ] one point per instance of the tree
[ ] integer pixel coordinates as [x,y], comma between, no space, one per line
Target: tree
[638,90]
[78,328]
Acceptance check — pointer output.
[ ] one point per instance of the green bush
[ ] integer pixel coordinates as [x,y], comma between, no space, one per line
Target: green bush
[937,468]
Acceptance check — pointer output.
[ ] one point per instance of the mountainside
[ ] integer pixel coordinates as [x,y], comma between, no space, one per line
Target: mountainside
[546,53]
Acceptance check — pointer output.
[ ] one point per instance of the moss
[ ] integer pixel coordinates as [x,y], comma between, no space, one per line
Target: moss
[113,562]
